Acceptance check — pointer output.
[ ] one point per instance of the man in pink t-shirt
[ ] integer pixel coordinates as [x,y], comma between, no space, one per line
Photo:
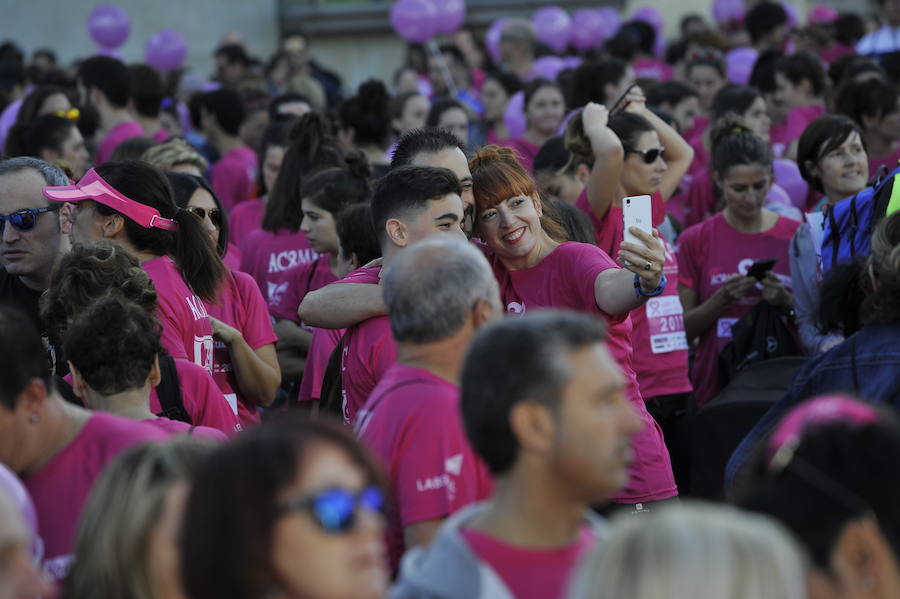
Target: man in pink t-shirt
[233,177]
[411,420]
[410,203]
[103,83]
[57,448]
[545,406]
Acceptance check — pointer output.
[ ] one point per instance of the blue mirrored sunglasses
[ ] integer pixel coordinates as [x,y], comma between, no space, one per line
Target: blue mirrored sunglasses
[335,510]
[25,220]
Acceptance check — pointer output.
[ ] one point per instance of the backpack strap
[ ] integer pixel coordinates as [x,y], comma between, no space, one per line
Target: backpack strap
[835,236]
[169,392]
[854,226]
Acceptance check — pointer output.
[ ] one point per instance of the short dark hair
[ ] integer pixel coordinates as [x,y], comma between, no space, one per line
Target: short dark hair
[233,53]
[850,66]
[113,344]
[183,187]
[132,148]
[733,98]
[670,92]
[874,98]
[763,18]
[146,90]
[588,81]
[802,65]
[423,141]
[227,106]
[107,74]
[516,360]
[47,131]
[439,107]
[409,189]
[762,77]
[233,507]
[553,156]
[510,82]
[335,188]
[356,233]
[22,355]
[823,135]
[628,127]
[368,113]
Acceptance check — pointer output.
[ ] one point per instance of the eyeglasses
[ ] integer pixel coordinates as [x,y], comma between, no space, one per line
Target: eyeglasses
[25,220]
[73,114]
[335,510]
[649,155]
[215,215]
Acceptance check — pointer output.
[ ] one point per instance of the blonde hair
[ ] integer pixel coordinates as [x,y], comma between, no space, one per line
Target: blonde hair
[127,501]
[166,156]
[698,550]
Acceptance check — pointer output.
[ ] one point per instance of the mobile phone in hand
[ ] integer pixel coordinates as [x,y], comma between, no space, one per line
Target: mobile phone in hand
[637,211]
[760,268]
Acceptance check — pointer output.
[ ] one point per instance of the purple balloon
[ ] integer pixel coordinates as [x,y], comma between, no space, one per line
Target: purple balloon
[553,27]
[109,25]
[492,38]
[787,176]
[728,10]
[612,21]
[572,62]
[514,116]
[166,50]
[651,16]
[414,20]
[451,14]
[791,11]
[740,63]
[548,67]
[778,195]
[15,490]
[590,29]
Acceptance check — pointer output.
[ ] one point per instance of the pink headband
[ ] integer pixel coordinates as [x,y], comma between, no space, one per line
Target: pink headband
[93,187]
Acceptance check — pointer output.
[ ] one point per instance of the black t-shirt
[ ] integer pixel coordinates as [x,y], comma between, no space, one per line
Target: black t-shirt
[14,291]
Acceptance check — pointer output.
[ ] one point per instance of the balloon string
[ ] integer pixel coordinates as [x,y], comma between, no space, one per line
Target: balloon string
[442,62]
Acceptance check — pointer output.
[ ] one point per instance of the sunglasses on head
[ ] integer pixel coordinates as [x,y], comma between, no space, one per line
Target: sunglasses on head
[335,510]
[25,220]
[73,114]
[215,215]
[650,155]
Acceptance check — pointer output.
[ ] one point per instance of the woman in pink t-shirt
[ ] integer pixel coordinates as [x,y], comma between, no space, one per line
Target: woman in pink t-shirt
[536,272]
[244,362]
[800,86]
[325,195]
[545,108]
[715,255]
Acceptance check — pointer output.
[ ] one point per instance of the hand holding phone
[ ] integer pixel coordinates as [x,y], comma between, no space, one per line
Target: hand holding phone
[637,211]
[759,268]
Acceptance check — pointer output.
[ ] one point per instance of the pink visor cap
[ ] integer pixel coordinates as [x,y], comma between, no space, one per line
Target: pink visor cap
[93,187]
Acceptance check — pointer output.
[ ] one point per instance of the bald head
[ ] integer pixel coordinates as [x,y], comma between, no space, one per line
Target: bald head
[433,286]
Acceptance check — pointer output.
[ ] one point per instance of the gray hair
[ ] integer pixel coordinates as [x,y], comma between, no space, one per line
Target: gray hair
[432,286]
[52,174]
[518,30]
[703,551]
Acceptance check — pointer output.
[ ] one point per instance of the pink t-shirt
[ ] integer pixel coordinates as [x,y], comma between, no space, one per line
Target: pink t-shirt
[186,330]
[239,304]
[202,399]
[161,136]
[268,255]
[889,162]
[698,200]
[531,573]
[708,254]
[565,279]
[779,137]
[245,218]
[177,427]
[652,68]
[412,423]
[526,150]
[295,283]
[232,257]
[62,485]
[369,350]
[320,347]
[117,135]
[798,119]
[233,177]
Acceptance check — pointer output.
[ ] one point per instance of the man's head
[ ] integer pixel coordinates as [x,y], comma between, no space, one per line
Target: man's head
[222,112]
[517,42]
[103,82]
[146,91]
[439,148]
[541,393]
[438,288]
[767,24]
[26,387]
[679,100]
[411,203]
[231,63]
[30,237]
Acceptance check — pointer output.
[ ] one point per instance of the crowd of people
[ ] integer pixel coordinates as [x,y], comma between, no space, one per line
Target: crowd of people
[266,336]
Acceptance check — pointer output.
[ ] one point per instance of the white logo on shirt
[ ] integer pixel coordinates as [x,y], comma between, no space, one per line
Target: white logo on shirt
[275,291]
[453,465]
[282,261]
[197,307]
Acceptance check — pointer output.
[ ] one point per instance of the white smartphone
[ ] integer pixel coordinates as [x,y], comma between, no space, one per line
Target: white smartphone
[637,211]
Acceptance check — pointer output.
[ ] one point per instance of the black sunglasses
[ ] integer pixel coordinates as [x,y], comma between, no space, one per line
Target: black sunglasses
[215,215]
[335,510]
[650,155]
[25,220]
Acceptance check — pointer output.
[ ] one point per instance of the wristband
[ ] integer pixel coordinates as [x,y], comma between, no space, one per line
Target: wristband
[641,293]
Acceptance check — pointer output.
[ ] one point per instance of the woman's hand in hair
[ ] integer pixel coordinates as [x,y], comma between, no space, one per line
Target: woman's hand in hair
[635,101]
[594,117]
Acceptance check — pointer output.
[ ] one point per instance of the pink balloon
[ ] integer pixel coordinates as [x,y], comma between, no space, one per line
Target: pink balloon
[822,15]
[590,29]
[548,67]
[514,116]
[492,38]
[612,21]
[553,26]
[451,14]
[728,10]
[651,16]
[15,490]
[166,50]
[414,20]
[787,176]
[740,63]
[109,25]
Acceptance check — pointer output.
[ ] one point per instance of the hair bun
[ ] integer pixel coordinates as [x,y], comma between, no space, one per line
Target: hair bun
[493,153]
[728,125]
[358,164]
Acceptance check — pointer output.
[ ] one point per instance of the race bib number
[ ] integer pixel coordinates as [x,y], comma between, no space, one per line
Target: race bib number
[665,319]
[724,327]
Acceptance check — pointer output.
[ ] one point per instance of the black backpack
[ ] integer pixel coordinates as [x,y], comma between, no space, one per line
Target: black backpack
[761,334]
[331,397]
